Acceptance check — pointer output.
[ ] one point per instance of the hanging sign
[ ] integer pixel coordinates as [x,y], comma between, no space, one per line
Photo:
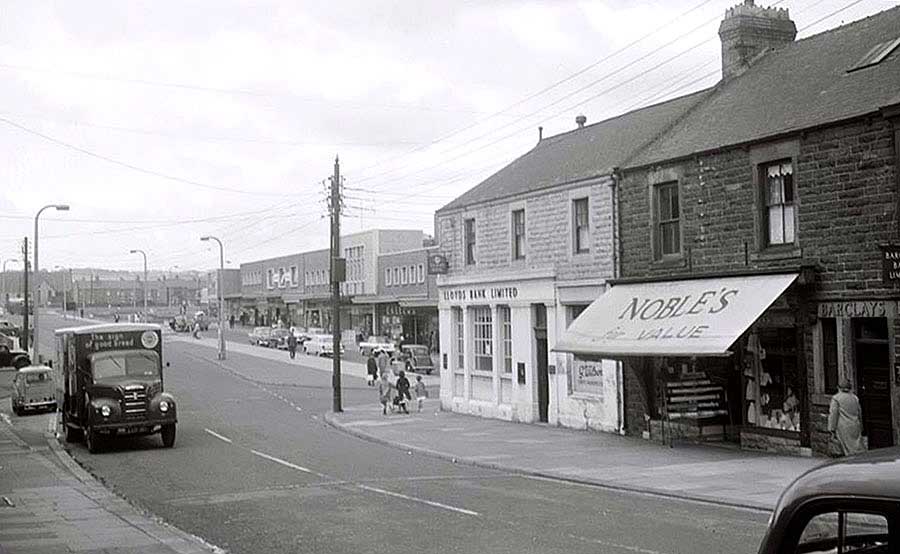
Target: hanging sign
[890,263]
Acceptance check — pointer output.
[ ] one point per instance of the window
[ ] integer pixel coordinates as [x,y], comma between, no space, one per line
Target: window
[294,276]
[470,241]
[421,273]
[506,336]
[829,354]
[403,279]
[667,225]
[772,379]
[845,532]
[483,333]
[387,277]
[581,225]
[779,210]
[269,282]
[460,338]
[518,234]
[572,313]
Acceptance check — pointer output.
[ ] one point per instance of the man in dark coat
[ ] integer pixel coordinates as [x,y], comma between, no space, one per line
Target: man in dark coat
[292,344]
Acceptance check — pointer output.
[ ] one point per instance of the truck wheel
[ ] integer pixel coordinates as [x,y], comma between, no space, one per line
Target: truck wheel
[73,435]
[92,440]
[168,435]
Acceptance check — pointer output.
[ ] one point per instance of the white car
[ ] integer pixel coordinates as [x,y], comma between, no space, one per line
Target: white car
[376,344]
[320,345]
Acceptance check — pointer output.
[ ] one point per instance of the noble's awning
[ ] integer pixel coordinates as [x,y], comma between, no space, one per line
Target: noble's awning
[692,317]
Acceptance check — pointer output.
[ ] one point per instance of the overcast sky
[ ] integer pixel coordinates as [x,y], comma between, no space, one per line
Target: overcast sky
[162,121]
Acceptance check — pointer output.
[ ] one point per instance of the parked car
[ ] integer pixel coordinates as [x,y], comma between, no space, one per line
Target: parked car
[278,338]
[260,336]
[180,324]
[33,389]
[376,343]
[320,345]
[417,358]
[11,355]
[847,505]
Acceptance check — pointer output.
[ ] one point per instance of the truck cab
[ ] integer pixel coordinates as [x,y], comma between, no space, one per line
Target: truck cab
[110,382]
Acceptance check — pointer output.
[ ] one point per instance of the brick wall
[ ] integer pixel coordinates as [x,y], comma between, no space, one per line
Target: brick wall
[548,220]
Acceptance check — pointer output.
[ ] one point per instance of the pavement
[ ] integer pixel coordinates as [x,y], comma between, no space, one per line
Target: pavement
[717,474]
[49,505]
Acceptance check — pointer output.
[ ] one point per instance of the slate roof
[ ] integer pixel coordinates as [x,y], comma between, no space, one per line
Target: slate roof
[579,154]
[802,85]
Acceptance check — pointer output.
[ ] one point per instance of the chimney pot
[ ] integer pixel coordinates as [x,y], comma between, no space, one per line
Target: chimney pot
[580,120]
[540,133]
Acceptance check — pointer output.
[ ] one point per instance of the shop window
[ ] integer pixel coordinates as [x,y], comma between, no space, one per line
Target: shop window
[772,380]
[518,234]
[470,241]
[483,335]
[580,226]
[845,532]
[572,312]
[460,338]
[829,354]
[778,183]
[506,336]
[667,220]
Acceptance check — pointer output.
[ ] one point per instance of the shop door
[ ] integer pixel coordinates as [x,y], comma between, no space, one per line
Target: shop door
[873,379]
[543,380]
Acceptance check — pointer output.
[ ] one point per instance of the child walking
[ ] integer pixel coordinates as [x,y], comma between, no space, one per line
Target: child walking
[384,393]
[421,392]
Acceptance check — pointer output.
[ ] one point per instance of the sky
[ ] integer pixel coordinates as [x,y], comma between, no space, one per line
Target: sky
[161,121]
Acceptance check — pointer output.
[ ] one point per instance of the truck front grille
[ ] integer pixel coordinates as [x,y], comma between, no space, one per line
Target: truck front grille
[135,405]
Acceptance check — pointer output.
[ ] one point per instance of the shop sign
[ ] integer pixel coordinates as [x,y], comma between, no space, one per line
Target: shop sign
[890,263]
[858,308]
[588,377]
[480,294]
[438,264]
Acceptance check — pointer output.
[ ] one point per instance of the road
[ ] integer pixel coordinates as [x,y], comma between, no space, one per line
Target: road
[255,469]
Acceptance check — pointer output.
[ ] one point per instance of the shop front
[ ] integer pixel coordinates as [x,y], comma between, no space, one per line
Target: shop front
[719,358]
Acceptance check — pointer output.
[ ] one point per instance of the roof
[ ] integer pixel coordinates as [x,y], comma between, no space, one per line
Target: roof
[802,85]
[109,328]
[871,474]
[580,154]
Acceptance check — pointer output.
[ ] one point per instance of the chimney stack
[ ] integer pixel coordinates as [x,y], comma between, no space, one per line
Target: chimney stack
[540,133]
[580,120]
[749,30]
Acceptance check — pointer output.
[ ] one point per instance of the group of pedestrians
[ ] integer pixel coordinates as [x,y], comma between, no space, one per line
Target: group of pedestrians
[395,394]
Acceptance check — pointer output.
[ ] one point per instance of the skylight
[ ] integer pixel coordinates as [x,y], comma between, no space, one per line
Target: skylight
[874,56]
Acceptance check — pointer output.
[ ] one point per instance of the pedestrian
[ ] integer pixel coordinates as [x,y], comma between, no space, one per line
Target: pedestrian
[371,370]
[196,329]
[116,317]
[403,391]
[292,343]
[231,321]
[384,393]
[383,361]
[844,421]
[421,392]
[82,313]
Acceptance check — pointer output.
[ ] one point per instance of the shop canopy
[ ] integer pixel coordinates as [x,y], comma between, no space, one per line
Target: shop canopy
[691,317]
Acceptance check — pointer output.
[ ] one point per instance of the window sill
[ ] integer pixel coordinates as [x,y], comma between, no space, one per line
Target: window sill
[507,376]
[482,373]
[669,261]
[777,253]
[581,254]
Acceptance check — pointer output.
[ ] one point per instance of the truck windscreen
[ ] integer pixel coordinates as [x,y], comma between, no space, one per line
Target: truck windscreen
[125,364]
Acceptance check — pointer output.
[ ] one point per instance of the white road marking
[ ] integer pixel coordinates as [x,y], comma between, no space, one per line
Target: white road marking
[283,462]
[218,436]
[419,500]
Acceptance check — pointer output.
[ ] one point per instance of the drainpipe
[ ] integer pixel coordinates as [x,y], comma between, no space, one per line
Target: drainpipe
[614,189]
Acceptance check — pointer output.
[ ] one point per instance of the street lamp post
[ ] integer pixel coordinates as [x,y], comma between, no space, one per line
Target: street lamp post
[36,345]
[221,295]
[144,254]
[3,286]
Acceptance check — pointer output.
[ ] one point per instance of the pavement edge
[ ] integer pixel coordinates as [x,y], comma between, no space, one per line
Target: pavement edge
[333,420]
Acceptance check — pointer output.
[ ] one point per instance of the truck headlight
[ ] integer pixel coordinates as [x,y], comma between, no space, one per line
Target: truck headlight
[105,411]
[164,406]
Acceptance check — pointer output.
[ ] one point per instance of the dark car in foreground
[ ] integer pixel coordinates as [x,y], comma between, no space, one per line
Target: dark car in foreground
[844,506]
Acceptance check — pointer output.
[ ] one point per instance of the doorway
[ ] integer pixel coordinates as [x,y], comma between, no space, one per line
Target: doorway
[543,378]
[873,379]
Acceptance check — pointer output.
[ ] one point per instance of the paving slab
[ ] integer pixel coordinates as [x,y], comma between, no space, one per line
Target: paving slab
[716,474]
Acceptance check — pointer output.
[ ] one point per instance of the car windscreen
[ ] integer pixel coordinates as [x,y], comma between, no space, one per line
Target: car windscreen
[137,363]
[37,377]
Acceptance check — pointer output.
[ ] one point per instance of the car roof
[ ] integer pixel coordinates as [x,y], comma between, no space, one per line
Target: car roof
[109,328]
[34,369]
[874,474]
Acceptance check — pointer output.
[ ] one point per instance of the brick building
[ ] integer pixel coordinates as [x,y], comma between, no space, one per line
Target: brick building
[527,250]
[767,206]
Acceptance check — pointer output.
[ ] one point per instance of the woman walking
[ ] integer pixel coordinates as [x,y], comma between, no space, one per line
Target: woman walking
[844,423]
[384,392]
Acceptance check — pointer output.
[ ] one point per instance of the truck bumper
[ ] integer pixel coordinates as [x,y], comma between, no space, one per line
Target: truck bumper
[133,427]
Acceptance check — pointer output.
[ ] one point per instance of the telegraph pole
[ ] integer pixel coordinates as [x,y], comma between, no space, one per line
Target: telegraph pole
[25,333]
[336,278]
